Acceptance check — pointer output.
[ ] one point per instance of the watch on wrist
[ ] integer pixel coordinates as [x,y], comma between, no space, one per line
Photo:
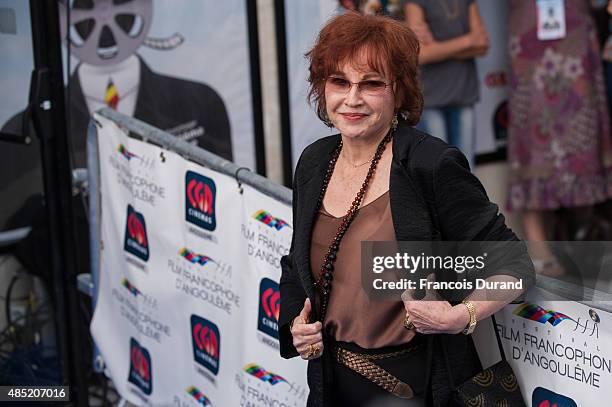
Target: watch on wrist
[472,311]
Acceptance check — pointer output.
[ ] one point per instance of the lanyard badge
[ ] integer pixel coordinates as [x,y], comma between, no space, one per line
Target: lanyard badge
[551,19]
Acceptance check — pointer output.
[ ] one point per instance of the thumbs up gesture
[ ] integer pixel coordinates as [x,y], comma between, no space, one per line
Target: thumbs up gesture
[432,314]
[307,338]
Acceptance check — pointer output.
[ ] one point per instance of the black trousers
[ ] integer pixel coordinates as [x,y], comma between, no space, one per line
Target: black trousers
[351,389]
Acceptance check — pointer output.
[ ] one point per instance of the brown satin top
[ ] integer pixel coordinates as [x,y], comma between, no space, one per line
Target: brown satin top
[351,315]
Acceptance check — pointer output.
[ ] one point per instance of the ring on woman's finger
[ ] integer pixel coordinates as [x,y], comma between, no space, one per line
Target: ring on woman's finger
[408,323]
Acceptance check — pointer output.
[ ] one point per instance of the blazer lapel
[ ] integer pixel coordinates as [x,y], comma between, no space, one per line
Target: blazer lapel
[305,230]
[309,190]
[405,196]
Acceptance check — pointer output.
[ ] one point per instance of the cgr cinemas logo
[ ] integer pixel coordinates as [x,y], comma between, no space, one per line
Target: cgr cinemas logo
[200,192]
[206,342]
[269,307]
[542,397]
[140,367]
[136,241]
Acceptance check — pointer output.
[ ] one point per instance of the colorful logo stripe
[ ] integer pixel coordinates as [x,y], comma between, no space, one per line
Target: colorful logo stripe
[124,152]
[198,395]
[135,291]
[194,257]
[536,313]
[267,219]
[262,374]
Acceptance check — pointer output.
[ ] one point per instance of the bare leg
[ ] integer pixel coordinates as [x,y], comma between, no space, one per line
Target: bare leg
[534,225]
[535,232]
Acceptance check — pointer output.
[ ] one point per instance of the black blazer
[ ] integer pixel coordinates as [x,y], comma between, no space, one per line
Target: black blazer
[464,213]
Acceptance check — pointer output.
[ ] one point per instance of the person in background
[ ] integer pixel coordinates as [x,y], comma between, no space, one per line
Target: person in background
[559,146]
[607,57]
[391,8]
[451,34]
[347,5]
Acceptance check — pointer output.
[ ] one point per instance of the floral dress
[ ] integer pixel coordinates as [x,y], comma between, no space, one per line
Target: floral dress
[559,145]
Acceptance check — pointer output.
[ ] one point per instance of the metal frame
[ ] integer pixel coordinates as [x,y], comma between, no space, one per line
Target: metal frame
[198,155]
[256,93]
[47,108]
[283,90]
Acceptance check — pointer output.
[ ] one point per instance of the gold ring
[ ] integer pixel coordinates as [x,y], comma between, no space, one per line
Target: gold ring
[407,323]
[311,351]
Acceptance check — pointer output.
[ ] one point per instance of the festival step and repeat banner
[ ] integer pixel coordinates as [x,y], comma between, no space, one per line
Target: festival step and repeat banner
[559,350]
[188,295]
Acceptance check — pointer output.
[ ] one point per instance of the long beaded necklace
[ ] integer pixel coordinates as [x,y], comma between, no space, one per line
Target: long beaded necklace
[323,283]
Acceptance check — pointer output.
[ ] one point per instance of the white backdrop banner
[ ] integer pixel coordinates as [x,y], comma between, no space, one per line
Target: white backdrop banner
[558,350]
[188,296]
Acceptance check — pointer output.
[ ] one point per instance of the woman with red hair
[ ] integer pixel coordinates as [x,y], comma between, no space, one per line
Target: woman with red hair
[369,183]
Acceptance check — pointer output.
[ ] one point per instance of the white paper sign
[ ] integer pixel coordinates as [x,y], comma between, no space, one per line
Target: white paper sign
[551,19]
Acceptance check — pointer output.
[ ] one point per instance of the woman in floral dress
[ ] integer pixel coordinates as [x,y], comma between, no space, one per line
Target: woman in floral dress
[559,147]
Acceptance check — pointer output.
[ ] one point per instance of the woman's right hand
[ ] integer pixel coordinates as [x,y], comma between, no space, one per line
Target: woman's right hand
[307,338]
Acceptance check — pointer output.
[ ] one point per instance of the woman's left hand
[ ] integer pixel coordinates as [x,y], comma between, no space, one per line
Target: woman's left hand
[434,315]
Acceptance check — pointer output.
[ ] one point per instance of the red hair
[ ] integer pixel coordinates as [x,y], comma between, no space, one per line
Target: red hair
[390,48]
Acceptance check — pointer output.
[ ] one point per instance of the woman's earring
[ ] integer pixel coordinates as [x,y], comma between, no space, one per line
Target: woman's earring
[394,122]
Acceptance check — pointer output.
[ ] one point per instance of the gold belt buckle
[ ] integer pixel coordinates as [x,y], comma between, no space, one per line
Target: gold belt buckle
[403,390]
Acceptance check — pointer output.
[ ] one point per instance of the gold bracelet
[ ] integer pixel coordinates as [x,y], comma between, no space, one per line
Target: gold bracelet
[472,311]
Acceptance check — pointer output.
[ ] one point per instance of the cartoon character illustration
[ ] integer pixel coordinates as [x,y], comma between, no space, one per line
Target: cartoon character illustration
[105,36]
